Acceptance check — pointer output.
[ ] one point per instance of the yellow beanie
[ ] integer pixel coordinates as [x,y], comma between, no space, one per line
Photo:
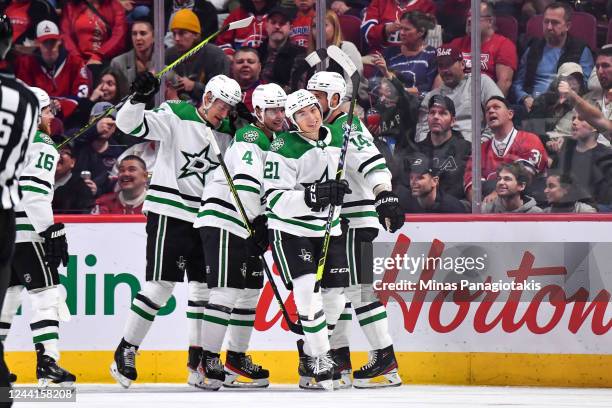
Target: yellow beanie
[185,19]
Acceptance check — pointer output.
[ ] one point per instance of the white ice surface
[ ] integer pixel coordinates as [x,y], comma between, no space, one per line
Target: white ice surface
[288,396]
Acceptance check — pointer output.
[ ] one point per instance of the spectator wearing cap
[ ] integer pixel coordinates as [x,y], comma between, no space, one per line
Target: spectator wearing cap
[498,56]
[246,70]
[302,22]
[62,75]
[279,57]
[413,61]
[205,10]
[580,159]
[96,30]
[97,151]
[381,26]
[507,145]
[71,195]
[445,146]
[132,183]
[251,36]
[551,115]
[140,58]
[511,182]
[562,197]
[425,194]
[543,57]
[25,16]
[457,85]
[190,77]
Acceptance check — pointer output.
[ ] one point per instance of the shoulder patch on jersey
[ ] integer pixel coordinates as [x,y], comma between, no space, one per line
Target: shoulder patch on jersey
[41,137]
[277,144]
[250,136]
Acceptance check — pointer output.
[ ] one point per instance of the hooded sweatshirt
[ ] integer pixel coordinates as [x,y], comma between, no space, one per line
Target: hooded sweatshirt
[497,207]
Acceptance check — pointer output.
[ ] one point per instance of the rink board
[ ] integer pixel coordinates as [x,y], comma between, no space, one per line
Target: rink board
[435,345]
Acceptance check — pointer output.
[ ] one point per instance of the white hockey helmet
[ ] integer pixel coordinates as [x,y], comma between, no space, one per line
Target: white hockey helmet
[268,96]
[298,100]
[223,88]
[329,82]
[42,96]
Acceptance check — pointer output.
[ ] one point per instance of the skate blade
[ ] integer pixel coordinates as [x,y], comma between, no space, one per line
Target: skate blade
[120,378]
[309,383]
[234,380]
[209,384]
[344,383]
[390,379]
[194,378]
[48,383]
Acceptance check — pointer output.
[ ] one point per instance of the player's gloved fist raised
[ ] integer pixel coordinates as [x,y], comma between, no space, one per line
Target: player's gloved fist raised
[390,215]
[258,243]
[145,85]
[319,195]
[55,245]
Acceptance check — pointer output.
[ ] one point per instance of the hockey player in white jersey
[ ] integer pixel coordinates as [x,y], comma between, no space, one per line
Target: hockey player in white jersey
[41,247]
[233,268]
[185,163]
[368,204]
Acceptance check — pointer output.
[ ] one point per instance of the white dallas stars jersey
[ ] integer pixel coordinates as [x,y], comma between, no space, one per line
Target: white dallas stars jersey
[358,207]
[34,213]
[293,163]
[185,160]
[245,160]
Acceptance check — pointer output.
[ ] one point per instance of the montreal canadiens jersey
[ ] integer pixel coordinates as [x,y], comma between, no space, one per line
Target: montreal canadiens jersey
[358,207]
[34,214]
[245,160]
[185,160]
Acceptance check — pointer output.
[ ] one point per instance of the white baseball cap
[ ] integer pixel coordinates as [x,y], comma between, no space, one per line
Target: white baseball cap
[47,30]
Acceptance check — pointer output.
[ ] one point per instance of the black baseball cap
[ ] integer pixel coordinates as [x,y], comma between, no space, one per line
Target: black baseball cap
[442,101]
[421,164]
[286,12]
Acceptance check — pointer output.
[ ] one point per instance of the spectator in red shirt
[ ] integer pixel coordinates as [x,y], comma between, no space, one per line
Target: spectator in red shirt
[95,30]
[251,36]
[25,15]
[62,75]
[246,70]
[132,184]
[498,58]
[381,23]
[300,26]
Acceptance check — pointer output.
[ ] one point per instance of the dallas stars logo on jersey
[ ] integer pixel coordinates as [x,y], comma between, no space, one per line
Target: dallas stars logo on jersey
[197,164]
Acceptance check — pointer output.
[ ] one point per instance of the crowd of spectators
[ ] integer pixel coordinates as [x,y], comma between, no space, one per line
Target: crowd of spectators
[539,151]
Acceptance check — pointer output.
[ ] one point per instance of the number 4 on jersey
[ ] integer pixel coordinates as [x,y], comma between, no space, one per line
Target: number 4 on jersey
[248,157]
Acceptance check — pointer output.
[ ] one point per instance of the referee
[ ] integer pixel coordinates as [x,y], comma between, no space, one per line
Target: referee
[18,124]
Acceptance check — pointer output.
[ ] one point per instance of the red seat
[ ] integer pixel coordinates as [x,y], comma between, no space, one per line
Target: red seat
[507,26]
[584,26]
[351,29]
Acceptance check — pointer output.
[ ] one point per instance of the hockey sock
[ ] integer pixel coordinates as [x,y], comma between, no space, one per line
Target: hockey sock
[242,321]
[217,316]
[315,330]
[145,306]
[196,303]
[45,319]
[333,304]
[372,316]
[339,337]
[12,300]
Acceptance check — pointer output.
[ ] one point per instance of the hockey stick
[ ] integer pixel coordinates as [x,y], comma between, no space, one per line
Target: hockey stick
[232,26]
[348,66]
[294,327]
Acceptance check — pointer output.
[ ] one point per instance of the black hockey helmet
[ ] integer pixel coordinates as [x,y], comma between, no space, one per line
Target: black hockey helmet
[6,36]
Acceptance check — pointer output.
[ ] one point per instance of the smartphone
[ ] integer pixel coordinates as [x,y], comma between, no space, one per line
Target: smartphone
[86,175]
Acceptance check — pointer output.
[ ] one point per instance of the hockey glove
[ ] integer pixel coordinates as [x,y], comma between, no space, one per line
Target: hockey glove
[258,243]
[144,87]
[388,209]
[319,195]
[55,245]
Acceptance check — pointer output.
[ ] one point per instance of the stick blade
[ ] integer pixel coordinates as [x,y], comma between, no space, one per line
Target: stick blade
[316,57]
[342,59]
[245,22]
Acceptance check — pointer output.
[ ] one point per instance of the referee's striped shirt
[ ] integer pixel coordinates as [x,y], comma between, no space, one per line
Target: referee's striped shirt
[18,123]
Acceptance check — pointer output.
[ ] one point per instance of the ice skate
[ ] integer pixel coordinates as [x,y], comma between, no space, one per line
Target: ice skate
[343,368]
[316,373]
[48,373]
[123,368]
[194,364]
[379,372]
[241,372]
[211,370]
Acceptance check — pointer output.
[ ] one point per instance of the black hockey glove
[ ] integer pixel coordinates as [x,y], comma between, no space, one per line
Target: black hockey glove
[258,243]
[319,195]
[55,245]
[145,85]
[390,214]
